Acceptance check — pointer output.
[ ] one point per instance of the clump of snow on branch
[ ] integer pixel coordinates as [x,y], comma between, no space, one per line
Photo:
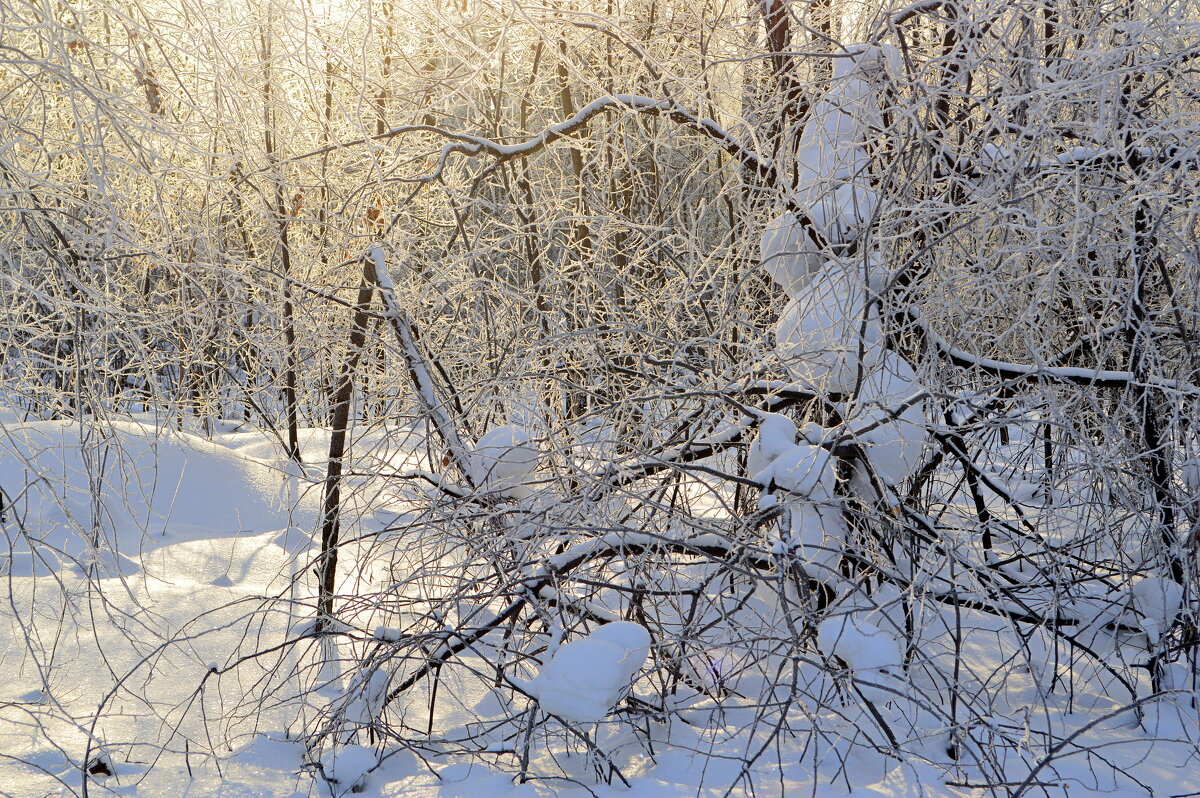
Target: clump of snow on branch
[871,653]
[817,534]
[503,460]
[889,396]
[368,694]
[829,334]
[803,470]
[818,331]
[831,161]
[1157,601]
[585,678]
[832,145]
[789,254]
[776,434]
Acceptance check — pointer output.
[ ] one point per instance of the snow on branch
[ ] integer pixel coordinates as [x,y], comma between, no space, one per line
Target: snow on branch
[418,367]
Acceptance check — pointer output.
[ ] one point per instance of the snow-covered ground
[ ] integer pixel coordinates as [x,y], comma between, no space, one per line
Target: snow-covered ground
[153,579]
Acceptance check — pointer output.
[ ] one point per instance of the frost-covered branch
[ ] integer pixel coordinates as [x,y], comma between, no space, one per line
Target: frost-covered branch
[1076,375]
[469,145]
[417,363]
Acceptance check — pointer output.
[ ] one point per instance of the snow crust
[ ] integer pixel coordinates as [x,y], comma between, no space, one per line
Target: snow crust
[154,486]
[203,579]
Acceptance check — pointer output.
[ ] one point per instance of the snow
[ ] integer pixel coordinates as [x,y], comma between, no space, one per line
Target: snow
[503,461]
[159,616]
[818,532]
[842,213]
[414,357]
[612,102]
[1157,601]
[1189,473]
[830,343]
[829,334]
[817,334]
[802,470]
[205,586]
[586,678]
[870,652]
[155,486]
[367,693]
[347,767]
[832,185]
[839,124]
[789,254]
[388,634]
[776,434]
[886,395]
[831,158]
[632,637]
[995,156]
[1073,374]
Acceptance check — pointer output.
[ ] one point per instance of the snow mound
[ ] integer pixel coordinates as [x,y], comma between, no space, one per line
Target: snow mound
[347,766]
[586,678]
[81,490]
[250,563]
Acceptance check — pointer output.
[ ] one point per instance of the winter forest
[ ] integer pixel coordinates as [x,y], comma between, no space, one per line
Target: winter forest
[602,398]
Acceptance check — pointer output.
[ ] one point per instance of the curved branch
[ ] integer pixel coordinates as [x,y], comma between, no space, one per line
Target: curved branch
[469,145]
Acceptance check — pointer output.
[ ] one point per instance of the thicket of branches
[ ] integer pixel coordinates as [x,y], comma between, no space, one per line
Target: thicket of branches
[203,216]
